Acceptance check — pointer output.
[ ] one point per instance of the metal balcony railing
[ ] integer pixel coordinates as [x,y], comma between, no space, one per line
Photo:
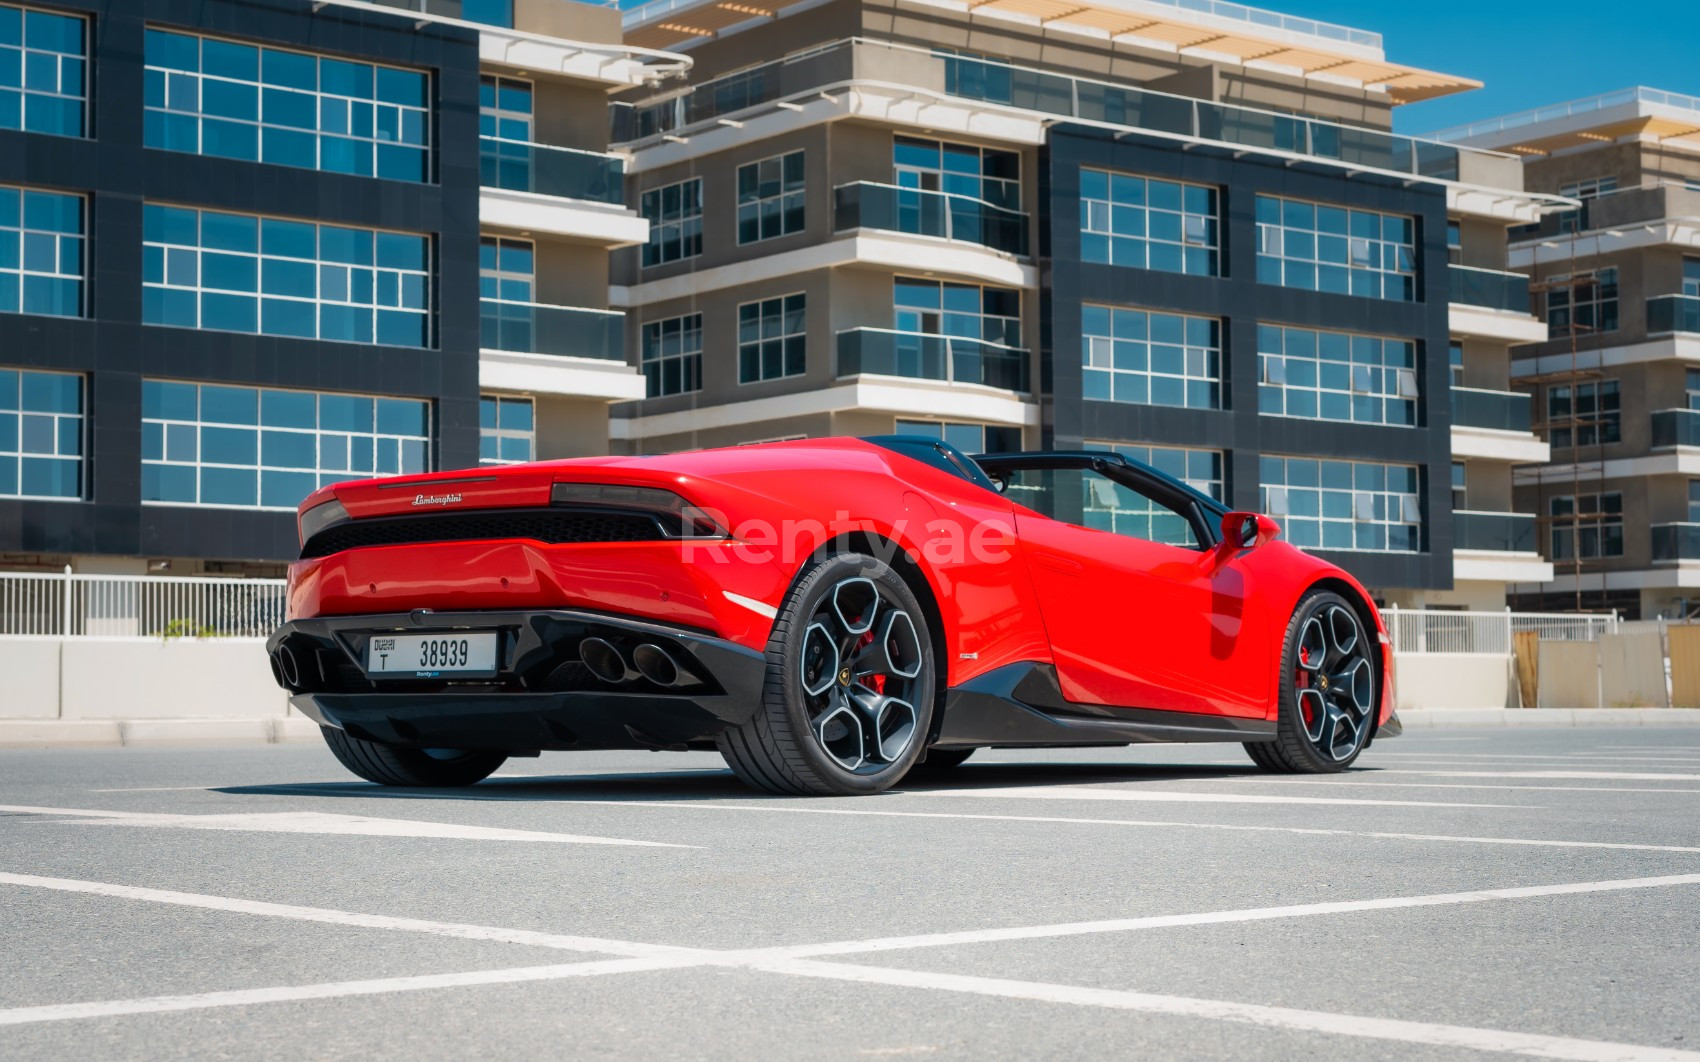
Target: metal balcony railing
[1057,95]
[1501,410]
[1501,532]
[521,166]
[924,356]
[565,331]
[1490,288]
[1673,313]
[868,205]
[1676,542]
[1676,427]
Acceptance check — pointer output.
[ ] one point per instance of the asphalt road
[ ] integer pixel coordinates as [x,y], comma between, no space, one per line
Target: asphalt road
[1462,893]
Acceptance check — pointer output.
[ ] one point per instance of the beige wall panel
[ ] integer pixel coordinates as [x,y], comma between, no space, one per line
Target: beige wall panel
[571,274]
[1684,643]
[569,115]
[573,22]
[1569,674]
[1633,669]
[570,427]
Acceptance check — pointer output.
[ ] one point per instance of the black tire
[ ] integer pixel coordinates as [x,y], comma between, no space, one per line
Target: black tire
[389,765]
[939,760]
[1330,690]
[799,742]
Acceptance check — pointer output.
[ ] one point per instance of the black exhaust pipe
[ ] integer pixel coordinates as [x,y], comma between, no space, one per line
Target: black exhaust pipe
[658,666]
[288,667]
[603,659]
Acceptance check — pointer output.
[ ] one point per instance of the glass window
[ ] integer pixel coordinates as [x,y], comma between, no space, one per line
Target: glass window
[771,339]
[986,174]
[489,12]
[964,311]
[253,448]
[969,438]
[43,72]
[233,100]
[1199,469]
[1455,362]
[770,198]
[1344,505]
[1319,247]
[675,222]
[1691,383]
[1336,376]
[1691,276]
[1459,484]
[41,434]
[271,276]
[1454,243]
[672,356]
[1694,501]
[1584,415]
[507,430]
[1586,525]
[506,156]
[1570,220]
[507,269]
[1145,223]
[41,252]
[1584,304]
[1091,499]
[1150,358]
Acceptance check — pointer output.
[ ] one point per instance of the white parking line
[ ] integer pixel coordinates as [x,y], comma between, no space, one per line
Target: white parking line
[594,945]
[1602,775]
[322,823]
[1081,792]
[1340,782]
[1410,1032]
[790,961]
[1231,826]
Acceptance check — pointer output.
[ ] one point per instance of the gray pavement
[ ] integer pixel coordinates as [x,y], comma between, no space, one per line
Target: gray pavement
[1459,894]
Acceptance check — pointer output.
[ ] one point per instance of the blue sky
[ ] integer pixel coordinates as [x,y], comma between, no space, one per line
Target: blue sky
[1527,54]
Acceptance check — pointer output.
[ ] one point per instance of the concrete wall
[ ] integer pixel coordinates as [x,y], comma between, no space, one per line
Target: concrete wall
[1453,680]
[130,678]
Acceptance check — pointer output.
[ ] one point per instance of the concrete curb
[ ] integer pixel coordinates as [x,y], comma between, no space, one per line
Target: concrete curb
[62,733]
[1449,718]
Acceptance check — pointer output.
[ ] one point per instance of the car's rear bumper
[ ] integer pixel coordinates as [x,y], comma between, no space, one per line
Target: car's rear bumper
[542,696]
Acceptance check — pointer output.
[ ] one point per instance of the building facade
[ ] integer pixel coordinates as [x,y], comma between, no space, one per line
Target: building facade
[1615,379]
[249,248]
[271,244]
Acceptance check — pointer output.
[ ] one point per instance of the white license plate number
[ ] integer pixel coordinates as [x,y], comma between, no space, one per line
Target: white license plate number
[431,655]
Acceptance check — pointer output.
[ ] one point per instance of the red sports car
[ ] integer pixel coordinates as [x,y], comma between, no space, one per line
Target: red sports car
[829,614]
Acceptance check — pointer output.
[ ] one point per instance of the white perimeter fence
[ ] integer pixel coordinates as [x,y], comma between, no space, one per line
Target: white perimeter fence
[46,604]
[1440,631]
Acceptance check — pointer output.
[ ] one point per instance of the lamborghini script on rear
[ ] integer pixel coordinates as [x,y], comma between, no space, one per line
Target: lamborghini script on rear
[828,614]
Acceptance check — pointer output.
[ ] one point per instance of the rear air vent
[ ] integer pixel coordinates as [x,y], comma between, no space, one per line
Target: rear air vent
[552,525]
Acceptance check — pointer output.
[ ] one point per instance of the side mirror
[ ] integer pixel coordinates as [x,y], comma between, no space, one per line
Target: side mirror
[1248,530]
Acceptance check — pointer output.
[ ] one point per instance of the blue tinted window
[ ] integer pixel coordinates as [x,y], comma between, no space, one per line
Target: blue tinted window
[244,447]
[1159,359]
[1335,250]
[43,72]
[41,252]
[212,97]
[241,273]
[41,434]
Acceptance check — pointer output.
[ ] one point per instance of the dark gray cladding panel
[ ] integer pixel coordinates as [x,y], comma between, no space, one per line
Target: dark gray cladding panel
[116,351]
[1242,303]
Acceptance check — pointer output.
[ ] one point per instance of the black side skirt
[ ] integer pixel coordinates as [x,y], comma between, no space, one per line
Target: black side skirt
[1022,705]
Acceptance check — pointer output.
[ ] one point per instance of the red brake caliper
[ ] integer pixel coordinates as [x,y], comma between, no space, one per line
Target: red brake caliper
[873,682]
[1301,680]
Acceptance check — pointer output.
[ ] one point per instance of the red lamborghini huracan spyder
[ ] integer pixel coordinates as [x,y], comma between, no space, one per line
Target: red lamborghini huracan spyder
[829,614]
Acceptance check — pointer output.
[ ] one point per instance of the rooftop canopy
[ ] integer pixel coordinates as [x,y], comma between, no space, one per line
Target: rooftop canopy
[1630,112]
[1205,28]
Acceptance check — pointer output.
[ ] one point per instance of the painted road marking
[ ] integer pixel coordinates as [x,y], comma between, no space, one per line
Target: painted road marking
[1081,792]
[1336,781]
[1602,775]
[1307,830]
[596,945]
[1411,1032]
[791,961]
[320,822]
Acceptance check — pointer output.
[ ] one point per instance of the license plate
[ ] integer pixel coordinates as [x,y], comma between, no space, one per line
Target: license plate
[432,655]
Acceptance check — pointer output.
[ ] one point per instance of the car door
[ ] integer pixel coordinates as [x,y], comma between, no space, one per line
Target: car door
[1142,609]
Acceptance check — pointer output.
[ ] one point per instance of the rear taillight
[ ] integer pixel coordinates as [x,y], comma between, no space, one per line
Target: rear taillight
[679,518]
[319,517]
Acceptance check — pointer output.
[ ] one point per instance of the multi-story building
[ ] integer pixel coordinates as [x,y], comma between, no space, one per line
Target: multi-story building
[1121,223]
[1616,381]
[248,247]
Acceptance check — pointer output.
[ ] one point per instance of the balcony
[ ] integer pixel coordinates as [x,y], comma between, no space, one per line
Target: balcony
[922,356]
[1676,542]
[565,173]
[866,205]
[1676,427]
[1673,313]
[563,331]
[801,78]
[1495,532]
[1496,410]
[1489,288]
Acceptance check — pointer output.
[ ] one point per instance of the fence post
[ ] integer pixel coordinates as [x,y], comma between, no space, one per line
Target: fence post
[65,631]
[1393,627]
[1510,637]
